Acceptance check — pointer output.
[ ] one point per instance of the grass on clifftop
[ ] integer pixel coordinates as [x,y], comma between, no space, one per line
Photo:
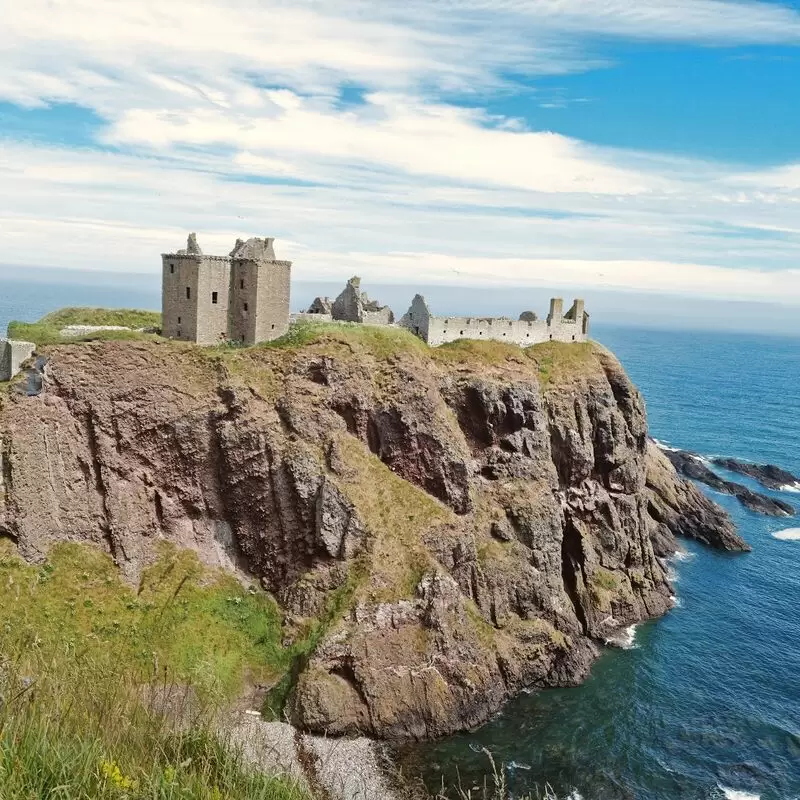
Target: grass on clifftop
[48,329]
[110,691]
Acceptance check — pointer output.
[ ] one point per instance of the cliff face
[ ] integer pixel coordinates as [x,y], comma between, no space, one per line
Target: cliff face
[461,524]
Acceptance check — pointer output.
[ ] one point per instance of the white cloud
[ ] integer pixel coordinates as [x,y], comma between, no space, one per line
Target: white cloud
[208,107]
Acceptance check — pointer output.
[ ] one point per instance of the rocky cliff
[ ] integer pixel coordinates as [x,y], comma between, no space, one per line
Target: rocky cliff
[442,528]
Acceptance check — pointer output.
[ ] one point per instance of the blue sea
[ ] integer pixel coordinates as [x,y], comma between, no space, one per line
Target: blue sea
[706,703]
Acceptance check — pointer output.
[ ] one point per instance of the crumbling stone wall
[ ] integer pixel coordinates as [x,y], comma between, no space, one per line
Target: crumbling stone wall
[353,305]
[528,330]
[321,305]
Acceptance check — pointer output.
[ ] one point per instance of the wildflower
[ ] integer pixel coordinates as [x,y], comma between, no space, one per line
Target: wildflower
[114,776]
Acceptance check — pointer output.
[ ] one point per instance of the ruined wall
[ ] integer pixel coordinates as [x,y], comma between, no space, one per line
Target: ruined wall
[524,332]
[243,294]
[347,306]
[353,305]
[13,354]
[310,316]
[417,318]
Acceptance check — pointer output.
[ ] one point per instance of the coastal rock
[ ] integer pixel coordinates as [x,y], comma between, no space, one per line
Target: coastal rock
[769,476]
[679,508]
[453,526]
[691,466]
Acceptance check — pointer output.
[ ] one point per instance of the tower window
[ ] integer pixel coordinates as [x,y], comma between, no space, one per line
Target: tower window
[245,307]
[241,284]
[188,293]
[214,298]
[172,269]
[179,320]
[273,328]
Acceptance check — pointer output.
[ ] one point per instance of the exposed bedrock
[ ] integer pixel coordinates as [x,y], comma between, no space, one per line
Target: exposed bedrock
[691,466]
[769,476]
[456,526]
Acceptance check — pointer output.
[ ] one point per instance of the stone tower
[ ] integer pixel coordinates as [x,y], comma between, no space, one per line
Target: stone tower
[194,295]
[259,299]
[211,299]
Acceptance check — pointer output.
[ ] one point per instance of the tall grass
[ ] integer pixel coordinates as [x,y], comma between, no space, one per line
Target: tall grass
[92,732]
[112,692]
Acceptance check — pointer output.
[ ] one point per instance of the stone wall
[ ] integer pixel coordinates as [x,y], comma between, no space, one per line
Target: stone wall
[13,354]
[353,305]
[178,308]
[524,332]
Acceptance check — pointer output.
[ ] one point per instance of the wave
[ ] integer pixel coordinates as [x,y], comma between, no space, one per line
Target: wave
[733,794]
[677,602]
[790,487]
[665,446]
[789,535]
[624,638]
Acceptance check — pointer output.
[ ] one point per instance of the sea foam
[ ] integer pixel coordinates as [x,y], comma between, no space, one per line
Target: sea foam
[625,639]
[733,794]
[789,535]
[664,446]
[791,487]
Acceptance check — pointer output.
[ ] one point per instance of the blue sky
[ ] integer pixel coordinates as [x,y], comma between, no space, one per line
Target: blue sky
[650,147]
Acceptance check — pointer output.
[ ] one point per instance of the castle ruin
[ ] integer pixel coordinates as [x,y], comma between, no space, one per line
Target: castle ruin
[242,297]
[525,331]
[352,305]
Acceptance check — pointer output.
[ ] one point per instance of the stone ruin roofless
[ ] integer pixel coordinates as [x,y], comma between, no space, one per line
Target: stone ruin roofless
[242,297]
[352,305]
[527,330]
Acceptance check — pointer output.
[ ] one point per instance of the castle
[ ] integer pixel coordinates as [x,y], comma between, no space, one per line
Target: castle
[241,297]
[244,297]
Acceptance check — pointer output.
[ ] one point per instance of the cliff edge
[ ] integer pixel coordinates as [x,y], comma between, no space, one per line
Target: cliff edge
[441,528]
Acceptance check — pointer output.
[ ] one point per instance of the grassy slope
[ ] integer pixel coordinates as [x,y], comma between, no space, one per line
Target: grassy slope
[48,329]
[78,647]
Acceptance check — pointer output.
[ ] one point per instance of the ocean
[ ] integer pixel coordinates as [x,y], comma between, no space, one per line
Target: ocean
[706,701]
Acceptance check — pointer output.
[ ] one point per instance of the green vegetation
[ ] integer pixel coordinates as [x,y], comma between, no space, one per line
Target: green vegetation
[397,513]
[130,318]
[111,692]
[381,342]
[493,787]
[199,626]
[556,359]
[48,329]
